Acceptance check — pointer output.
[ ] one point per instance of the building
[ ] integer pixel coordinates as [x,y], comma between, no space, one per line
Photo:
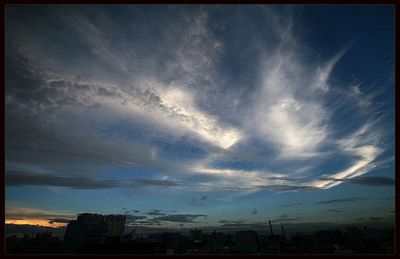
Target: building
[129,237]
[94,229]
[115,225]
[247,242]
[195,235]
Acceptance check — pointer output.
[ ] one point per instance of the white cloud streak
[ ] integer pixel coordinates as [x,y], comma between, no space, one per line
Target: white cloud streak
[362,145]
[293,121]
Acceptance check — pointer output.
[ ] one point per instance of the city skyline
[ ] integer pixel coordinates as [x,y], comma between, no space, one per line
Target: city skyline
[200,116]
[103,234]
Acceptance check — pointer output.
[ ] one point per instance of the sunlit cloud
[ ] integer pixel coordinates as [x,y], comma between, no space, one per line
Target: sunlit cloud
[182,107]
[35,222]
[31,216]
[362,145]
[286,113]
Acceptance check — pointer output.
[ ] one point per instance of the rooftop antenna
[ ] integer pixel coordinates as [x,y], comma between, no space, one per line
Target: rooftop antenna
[283,231]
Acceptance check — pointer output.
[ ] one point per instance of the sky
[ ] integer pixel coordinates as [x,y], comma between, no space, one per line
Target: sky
[183,116]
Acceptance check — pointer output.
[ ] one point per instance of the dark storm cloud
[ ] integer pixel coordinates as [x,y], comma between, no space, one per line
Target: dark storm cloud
[155,212]
[277,188]
[17,178]
[350,199]
[334,211]
[241,224]
[42,136]
[184,218]
[20,178]
[244,225]
[287,218]
[291,205]
[284,188]
[133,218]
[367,180]
[154,182]
[58,220]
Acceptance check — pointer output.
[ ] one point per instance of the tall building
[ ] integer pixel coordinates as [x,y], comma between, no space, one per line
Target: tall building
[115,225]
[93,229]
[195,235]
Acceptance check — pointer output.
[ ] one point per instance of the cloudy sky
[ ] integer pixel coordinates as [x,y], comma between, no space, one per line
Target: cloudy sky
[190,116]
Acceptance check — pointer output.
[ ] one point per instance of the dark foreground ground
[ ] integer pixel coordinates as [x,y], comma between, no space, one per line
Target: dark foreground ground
[353,240]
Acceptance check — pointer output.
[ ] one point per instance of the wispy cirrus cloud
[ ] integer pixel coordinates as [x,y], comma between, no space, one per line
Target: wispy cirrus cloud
[323,73]
[342,200]
[363,145]
[122,100]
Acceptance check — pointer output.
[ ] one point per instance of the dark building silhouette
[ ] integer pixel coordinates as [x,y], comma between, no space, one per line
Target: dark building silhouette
[247,242]
[129,237]
[195,235]
[41,243]
[90,230]
[273,243]
[101,234]
[270,228]
[283,232]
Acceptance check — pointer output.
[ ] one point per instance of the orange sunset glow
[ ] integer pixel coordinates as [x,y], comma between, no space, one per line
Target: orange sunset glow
[36,222]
